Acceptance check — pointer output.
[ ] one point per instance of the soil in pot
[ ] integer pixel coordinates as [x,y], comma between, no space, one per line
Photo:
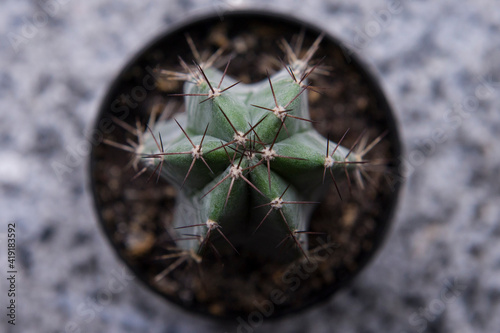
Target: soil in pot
[136,212]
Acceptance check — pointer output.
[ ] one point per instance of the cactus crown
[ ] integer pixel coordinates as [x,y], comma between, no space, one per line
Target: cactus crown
[247,161]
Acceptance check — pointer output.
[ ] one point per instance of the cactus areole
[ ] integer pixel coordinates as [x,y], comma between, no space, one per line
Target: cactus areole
[245,161]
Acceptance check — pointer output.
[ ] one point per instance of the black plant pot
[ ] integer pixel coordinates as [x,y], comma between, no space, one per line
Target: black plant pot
[134,213]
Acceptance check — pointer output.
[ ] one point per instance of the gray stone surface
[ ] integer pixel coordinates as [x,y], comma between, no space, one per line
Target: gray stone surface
[439,63]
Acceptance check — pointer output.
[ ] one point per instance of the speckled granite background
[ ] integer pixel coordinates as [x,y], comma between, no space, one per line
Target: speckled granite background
[439,63]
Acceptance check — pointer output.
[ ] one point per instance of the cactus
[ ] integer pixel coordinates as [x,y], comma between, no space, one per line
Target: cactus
[247,161]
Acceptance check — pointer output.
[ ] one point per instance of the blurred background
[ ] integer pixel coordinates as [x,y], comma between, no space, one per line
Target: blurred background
[439,64]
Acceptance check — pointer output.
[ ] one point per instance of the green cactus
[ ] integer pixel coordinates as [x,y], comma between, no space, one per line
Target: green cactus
[247,161]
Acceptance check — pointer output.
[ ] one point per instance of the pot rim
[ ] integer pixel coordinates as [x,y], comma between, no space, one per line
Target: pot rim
[369,74]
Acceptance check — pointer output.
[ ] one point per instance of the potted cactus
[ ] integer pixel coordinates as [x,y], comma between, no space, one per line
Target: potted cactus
[228,179]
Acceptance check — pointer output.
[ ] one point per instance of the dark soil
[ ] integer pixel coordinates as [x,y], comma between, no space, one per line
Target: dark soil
[136,214]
